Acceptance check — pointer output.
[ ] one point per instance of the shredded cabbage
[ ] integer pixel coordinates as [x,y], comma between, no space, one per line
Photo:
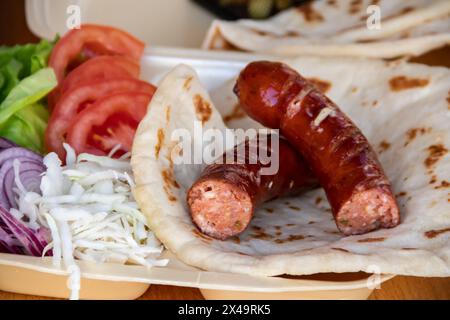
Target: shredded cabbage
[89,208]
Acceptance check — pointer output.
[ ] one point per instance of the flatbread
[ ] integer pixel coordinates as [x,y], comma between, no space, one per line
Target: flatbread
[339,28]
[403,109]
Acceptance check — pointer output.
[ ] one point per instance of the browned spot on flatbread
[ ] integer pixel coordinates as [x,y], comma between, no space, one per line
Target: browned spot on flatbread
[290,238]
[332,3]
[444,184]
[294,208]
[435,153]
[371,240]
[311,222]
[203,236]
[169,178]
[269,210]
[374,103]
[355,6]
[219,43]
[169,194]
[405,10]
[187,83]
[384,145]
[340,249]
[287,34]
[400,83]
[167,114]
[290,225]
[401,194]
[259,233]
[448,100]
[405,35]
[321,85]
[434,233]
[236,113]
[309,13]
[235,239]
[354,89]
[318,200]
[295,237]
[160,138]
[411,134]
[202,108]
[409,249]
[261,236]
[169,181]
[433,179]
[242,254]
[278,233]
[177,150]
[393,62]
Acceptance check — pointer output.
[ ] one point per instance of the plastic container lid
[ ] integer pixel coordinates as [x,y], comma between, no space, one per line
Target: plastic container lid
[179,23]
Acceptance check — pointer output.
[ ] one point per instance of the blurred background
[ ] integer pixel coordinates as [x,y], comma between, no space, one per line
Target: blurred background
[247,9]
[179,23]
[175,23]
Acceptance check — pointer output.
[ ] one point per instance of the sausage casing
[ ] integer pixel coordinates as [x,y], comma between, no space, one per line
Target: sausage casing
[223,200]
[338,153]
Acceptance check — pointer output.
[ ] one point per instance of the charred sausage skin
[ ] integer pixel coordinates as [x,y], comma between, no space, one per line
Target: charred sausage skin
[223,200]
[338,153]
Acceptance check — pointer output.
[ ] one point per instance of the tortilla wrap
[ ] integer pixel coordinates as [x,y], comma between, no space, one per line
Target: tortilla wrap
[340,28]
[402,108]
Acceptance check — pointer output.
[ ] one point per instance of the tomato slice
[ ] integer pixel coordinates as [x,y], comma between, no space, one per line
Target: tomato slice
[96,40]
[109,122]
[96,69]
[77,99]
[90,50]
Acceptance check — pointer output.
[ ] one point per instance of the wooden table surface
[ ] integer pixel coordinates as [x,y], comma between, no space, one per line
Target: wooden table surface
[13,30]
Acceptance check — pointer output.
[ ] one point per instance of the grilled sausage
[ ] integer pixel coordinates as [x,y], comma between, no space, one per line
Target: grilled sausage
[223,200]
[339,155]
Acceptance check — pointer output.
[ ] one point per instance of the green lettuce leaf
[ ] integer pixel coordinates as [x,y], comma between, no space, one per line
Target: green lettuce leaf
[27,127]
[24,81]
[21,61]
[20,104]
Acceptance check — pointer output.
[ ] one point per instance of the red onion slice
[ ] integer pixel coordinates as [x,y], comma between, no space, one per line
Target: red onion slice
[18,153]
[30,176]
[33,241]
[5,144]
[8,244]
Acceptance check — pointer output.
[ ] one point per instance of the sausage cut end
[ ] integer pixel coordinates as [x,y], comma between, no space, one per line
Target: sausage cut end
[219,208]
[368,210]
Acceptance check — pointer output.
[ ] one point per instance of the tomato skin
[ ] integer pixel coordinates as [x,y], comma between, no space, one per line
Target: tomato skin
[110,39]
[97,68]
[72,101]
[101,68]
[128,109]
